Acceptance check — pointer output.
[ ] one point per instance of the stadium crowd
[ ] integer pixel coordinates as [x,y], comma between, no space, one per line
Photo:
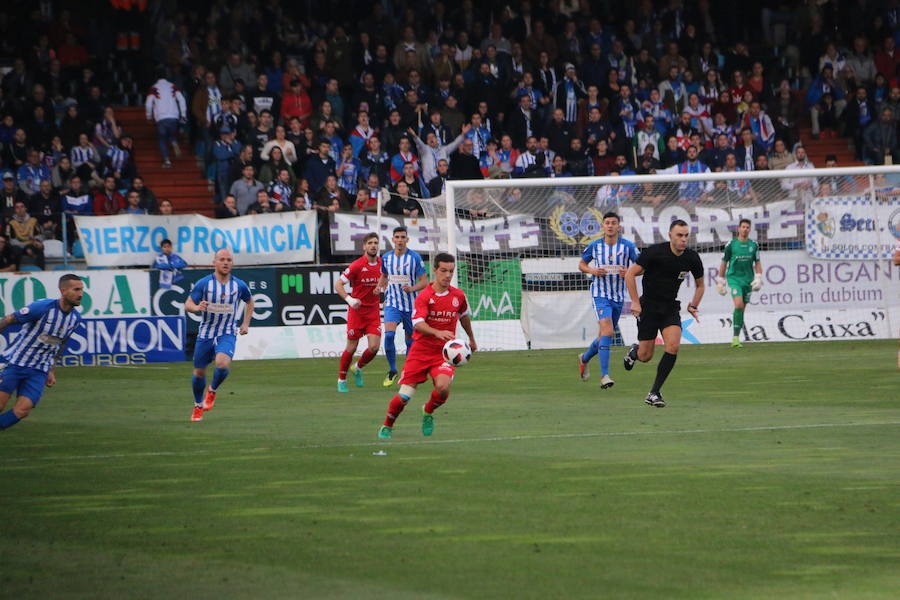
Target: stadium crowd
[299,107]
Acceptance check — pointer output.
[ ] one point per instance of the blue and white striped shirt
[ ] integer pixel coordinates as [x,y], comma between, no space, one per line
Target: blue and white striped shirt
[81,155]
[619,256]
[224,302]
[45,332]
[401,270]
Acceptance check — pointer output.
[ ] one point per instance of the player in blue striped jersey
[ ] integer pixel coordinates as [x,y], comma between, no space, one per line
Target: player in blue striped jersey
[402,277]
[606,259]
[217,297]
[47,326]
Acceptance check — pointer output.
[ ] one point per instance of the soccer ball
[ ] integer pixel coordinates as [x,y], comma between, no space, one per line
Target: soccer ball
[457,352]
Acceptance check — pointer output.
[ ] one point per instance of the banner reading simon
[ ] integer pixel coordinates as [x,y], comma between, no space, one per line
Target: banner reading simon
[129,240]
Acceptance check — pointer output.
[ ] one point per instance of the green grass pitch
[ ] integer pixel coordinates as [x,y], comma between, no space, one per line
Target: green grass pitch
[773,473]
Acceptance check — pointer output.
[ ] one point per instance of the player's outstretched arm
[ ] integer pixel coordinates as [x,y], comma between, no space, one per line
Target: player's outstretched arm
[631,275]
[7,321]
[466,322]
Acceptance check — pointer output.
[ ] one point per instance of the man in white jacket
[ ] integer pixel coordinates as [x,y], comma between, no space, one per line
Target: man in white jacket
[165,104]
[430,152]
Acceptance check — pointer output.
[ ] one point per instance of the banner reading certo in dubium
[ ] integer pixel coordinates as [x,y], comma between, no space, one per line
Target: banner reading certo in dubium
[129,240]
[853,227]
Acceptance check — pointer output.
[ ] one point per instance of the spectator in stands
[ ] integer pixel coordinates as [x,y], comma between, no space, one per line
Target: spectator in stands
[436,184]
[146,196]
[301,193]
[800,188]
[320,167]
[780,158]
[61,174]
[107,132]
[287,147]
[760,125]
[227,209]
[108,200]
[23,232]
[463,163]
[785,113]
[295,102]
[224,151]
[77,201]
[264,205]
[118,161]
[430,151]
[245,189]
[880,139]
[132,204]
[205,107]
[280,189]
[374,160]
[734,191]
[45,207]
[822,88]
[166,208]
[9,260]
[169,265]
[262,98]
[235,68]
[836,184]
[748,149]
[332,197]
[30,175]
[166,106]
[859,113]
[861,61]
[236,168]
[714,158]
[9,195]
[402,203]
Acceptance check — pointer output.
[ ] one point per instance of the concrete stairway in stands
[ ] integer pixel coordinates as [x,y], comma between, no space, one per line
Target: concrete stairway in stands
[184,184]
[818,149]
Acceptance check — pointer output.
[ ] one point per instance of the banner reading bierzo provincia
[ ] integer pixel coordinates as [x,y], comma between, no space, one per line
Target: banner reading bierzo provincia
[129,240]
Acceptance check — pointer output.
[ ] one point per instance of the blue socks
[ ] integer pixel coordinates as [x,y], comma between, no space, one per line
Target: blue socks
[8,419]
[199,385]
[409,342]
[219,376]
[390,349]
[591,351]
[603,347]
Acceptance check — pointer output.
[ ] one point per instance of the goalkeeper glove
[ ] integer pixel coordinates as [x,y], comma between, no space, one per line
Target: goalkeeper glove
[756,284]
[353,302]
[720,286]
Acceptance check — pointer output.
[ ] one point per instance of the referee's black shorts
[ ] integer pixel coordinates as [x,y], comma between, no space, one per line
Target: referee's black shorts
[656,316]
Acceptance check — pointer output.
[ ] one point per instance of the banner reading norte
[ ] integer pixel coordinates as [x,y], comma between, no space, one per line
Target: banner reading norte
[129,240]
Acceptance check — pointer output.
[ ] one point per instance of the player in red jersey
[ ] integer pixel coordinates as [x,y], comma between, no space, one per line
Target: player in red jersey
[437,309]
[363,317]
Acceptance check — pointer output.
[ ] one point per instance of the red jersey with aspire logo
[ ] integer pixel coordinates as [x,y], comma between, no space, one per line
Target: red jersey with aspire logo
[363,277]
[440,311]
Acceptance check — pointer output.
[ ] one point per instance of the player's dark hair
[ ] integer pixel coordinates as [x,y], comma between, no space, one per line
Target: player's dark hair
[164,242]
[63,281]
[612,215]
[742,221]
[400,229]
[443,257]
[677,223]
[369,236]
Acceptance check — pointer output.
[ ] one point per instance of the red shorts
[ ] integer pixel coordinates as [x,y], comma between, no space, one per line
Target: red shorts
[363,322]
[420,366]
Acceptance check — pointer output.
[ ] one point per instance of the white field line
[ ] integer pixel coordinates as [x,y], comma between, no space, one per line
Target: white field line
[514,438]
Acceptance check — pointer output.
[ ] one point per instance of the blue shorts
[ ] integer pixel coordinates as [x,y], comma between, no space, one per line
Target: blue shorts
[395,315]
[24,381]
[607,309]
[206,349]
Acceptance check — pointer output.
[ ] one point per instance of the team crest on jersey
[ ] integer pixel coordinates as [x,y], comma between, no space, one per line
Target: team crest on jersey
[455,302]
[351,332]
[683,274]
[24,310]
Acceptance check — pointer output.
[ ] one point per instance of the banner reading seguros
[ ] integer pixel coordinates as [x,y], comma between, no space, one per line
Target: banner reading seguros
[127,240]
[852,227]
[119,341]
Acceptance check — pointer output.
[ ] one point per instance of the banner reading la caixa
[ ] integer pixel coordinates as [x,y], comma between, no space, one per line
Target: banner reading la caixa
[129,240]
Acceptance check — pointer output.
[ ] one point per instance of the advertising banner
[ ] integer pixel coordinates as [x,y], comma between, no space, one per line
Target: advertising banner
[261,281]
[120,341]
[106,293]
[494,290]
[128,240]
[306,296]
[852,227]
[426,235]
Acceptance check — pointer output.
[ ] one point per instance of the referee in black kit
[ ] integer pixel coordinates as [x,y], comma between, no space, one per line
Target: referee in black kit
[664,266]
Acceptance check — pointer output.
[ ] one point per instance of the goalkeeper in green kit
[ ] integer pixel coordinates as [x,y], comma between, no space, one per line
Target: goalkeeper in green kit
[744,275]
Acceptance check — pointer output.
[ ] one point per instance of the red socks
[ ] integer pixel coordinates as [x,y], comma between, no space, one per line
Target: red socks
[394,410]
[435,401]
[346,359]
[365,359]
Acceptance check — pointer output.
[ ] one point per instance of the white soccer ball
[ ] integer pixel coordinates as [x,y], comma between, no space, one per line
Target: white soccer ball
[457,352]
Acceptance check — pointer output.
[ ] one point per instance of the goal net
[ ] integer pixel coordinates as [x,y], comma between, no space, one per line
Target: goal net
[826,237]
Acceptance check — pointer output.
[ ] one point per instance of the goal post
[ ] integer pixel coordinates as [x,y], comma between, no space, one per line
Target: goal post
[825,235]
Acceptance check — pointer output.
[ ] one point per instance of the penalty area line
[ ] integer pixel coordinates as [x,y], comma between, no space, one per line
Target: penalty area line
[512,438]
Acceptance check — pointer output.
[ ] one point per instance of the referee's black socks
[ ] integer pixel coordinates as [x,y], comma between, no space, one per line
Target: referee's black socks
[662,370]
